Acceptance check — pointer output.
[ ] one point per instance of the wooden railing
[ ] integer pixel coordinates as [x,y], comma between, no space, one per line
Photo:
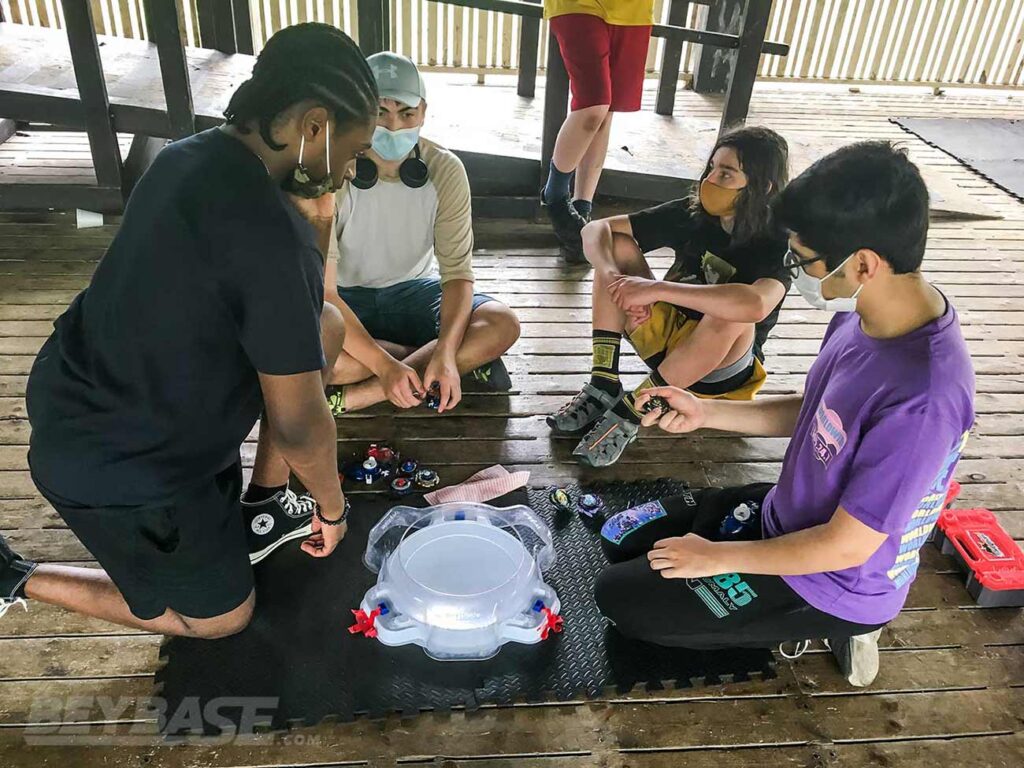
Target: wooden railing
[934,42]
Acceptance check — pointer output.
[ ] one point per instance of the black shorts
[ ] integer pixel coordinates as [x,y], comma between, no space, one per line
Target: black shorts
[722,611]
[189,554]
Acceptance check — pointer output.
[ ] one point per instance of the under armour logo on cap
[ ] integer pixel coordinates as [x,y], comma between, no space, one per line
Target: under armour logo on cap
[397,78]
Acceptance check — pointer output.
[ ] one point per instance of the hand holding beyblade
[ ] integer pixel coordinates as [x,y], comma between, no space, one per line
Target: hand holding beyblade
[685,412]
[442,381]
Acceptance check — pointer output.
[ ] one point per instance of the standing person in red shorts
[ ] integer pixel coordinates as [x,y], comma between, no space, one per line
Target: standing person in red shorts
[604,45]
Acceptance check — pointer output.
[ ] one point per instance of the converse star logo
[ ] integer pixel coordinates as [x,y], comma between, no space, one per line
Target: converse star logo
[262,523]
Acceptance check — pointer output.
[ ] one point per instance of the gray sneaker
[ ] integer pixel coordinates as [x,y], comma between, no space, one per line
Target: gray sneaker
[604,444]
[586,408]
[857,657]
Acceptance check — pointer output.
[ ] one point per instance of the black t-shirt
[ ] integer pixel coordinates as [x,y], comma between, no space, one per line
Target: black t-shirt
[148,384]
[706,255]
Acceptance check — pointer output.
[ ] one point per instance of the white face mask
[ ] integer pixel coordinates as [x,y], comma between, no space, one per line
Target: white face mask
[810,289]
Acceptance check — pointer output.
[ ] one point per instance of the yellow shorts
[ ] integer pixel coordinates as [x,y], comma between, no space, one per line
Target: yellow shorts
[667,328]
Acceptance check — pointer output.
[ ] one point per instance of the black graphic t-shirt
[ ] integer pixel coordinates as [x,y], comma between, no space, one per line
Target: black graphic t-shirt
[706,255]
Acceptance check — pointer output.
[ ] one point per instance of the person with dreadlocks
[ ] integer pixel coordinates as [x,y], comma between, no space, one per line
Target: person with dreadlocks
[206,310]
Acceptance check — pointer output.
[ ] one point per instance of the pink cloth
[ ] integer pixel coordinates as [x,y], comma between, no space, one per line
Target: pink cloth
[485,485]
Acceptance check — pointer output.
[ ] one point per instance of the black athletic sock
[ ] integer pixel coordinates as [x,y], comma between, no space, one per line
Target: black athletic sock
[627,409]
[604,372]
[583,207]
[254,494]
[556,188]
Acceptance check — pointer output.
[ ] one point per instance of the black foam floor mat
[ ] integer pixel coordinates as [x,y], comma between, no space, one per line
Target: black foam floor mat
[297,650]
[993,147]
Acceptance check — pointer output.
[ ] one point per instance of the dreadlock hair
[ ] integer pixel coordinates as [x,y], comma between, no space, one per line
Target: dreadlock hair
[764,158]
[305,61]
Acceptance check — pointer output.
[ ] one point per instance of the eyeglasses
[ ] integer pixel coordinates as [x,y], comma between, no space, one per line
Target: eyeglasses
[795,263]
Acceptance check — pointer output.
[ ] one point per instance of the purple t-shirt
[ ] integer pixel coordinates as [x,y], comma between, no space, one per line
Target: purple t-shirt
[880,431]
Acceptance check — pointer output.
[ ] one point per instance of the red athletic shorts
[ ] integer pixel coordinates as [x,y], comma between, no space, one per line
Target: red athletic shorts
[605,61]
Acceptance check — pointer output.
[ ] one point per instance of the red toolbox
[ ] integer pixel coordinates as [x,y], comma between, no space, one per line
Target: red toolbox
[992,561]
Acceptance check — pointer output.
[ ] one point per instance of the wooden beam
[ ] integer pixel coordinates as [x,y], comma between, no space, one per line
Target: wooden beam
[529,42]
[753,27]
[713,68]
[39,197]
[673,52]
[556,98]
[217,25]
[374,26]
[34,104]
[7,129]
[669,32]
[92,90]
[141,155]
[243,27]
[165,31]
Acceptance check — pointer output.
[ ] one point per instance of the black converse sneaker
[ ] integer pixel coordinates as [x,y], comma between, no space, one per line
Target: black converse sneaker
[14,572]
[272,522]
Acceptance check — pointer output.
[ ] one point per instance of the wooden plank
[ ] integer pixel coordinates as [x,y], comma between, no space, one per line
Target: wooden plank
[556,98]
[373,26]
[165,31]
[670,60]
[243,26]
[7,129]
[529,40]
[92,89]
[217,25]
[627,727]
[741,85]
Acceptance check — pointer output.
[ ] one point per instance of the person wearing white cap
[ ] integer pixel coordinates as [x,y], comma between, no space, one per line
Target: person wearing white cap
[401,266]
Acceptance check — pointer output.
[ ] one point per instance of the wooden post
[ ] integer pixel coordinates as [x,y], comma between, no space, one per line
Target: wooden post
[669,78]
[374,23]
[713,67]
[7,129]
[529,42]
[243,27]
[165,31]
[217,25]
[92,91]
[752,31]
[556,107]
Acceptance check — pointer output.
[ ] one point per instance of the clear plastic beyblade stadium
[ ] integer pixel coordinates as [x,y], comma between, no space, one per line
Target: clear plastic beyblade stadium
[460,580]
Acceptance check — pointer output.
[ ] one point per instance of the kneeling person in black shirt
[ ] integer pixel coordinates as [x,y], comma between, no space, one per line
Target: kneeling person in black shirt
[206,311]
[703,326]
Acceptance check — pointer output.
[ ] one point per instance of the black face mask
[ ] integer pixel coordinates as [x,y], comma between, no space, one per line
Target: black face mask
[301,184]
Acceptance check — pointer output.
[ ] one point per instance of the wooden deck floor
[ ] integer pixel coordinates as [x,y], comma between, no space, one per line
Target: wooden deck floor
[951,687]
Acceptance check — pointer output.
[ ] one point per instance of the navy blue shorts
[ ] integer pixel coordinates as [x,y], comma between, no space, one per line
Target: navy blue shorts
[407,313]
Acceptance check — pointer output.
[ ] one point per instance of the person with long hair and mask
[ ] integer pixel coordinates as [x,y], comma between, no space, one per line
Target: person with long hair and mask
[703,326]
[206,311]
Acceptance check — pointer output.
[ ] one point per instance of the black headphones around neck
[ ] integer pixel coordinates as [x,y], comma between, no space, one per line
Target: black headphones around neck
[413,172]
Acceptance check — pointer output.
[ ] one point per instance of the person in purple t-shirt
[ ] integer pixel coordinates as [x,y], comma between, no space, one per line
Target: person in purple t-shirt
[829,551]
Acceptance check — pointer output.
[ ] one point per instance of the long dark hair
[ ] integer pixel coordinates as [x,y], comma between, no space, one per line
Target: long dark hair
[305,61]
[764,158]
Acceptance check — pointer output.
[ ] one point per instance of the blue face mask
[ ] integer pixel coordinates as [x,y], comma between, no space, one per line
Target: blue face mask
[394,145]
